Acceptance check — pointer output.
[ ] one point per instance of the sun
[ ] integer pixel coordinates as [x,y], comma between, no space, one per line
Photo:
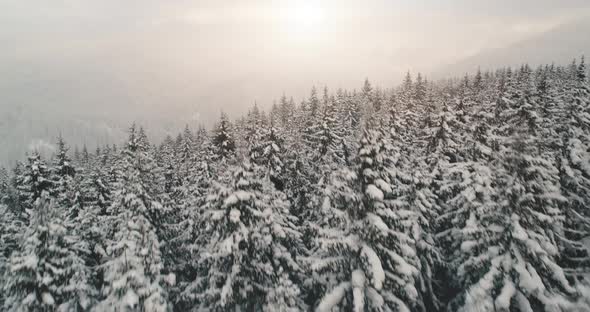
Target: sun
[305,18]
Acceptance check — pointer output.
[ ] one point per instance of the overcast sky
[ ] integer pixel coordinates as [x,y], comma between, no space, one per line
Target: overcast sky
[142,58]
[188,48]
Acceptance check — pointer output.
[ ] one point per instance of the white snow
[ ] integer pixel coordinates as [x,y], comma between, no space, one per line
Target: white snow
[586,243]
[234,216]
[376,220]
[326,204]
[374,192]
[517,231]
[170,279]
[383,185]
[374,297]
[523,303]
[236,197]
[333,298]
[226,291]
[358,296]
[377,274]
[47,298]
[358,278]
[508,291]
[466,246]
[29,262]
[227,245]
[403,267]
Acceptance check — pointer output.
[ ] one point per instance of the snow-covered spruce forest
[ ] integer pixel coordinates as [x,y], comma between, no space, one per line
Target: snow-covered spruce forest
[468,194]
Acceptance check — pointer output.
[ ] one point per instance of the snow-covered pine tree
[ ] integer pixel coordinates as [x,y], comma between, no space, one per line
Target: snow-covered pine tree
[223,140]
[132,272]
[267,152]
[4,182]
[326,139]
[85,157]
[364,260]
[474,196]
[419,89]
[45,274]
[8,193]
[314,102]
[414,192]
[186,155]
[302,181]
[444,140]
[180,197]
[378,100]
[514,267]
[428,195]
[406,94]
[348,117]
[32,182]
[478,83]
[351,111]
[247,248]
[368,96]
[62,174]
[286,112]
[255,122]
[574,167]
[10,236]
[86,224]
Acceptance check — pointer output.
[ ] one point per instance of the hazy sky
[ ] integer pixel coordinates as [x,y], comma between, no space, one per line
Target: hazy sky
[181,49]
[189,59]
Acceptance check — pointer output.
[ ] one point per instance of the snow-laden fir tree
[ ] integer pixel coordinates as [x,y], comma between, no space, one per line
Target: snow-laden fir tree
[4,182]
[223,140]
[413,192]
[45,274]
[574,166]
[325,137]
[472,184]
[419,89]
[10,229]
[90,209]
[268,153]
[132,272]
[247,249]
[513,265]
[62,174]
[254,131]
[364,260]
[286,112]
[33,181]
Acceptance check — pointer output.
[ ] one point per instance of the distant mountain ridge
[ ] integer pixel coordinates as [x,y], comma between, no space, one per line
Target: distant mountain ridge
[559,45]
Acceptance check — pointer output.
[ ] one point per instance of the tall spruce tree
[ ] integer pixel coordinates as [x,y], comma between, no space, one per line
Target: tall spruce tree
[132,274]
[248,247]
[365,261]
[45,273]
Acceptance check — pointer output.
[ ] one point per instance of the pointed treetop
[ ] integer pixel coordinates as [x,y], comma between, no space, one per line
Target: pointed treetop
[582,72]
[407,81]
[367,88]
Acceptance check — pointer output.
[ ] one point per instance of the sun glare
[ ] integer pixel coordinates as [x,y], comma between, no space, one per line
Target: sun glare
[305,19]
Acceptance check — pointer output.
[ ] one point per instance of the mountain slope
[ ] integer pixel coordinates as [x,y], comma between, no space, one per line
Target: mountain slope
[559,45]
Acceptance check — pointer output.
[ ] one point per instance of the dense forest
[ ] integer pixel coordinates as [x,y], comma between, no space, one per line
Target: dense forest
[468,194]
